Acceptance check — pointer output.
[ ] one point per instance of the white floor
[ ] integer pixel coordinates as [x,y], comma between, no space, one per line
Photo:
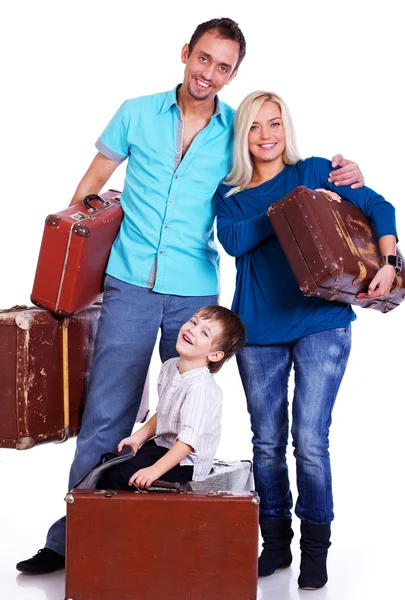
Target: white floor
[361,566]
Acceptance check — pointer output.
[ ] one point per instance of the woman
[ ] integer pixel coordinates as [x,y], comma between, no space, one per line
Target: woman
[285,328]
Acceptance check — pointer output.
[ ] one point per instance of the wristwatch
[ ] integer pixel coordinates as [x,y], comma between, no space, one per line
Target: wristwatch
[393,260]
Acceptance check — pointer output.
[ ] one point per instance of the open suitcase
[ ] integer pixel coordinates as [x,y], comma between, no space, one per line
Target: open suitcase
[163,544]
[44,362]
[331,248]
[75,247]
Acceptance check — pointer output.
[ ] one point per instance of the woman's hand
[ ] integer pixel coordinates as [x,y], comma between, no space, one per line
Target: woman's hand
[331,196]
[381,283]
[145,477]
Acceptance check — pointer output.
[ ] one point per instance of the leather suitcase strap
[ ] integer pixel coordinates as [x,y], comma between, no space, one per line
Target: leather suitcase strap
[65,376]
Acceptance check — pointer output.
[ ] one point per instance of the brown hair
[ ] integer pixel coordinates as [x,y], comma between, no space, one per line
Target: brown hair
[232,336]
[226,28]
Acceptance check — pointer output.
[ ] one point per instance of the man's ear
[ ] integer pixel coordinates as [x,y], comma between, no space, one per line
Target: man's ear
[184,54]
[232,77]
[215,356]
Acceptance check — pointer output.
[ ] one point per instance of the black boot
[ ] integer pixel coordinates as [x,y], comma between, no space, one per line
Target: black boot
[314,551]
[276,554]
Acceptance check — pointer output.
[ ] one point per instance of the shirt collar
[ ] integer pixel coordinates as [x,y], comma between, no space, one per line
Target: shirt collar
[171,100]
[189,373]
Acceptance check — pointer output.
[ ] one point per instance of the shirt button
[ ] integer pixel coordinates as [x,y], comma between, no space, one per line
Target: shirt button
[176,177]
[166,226]
[177,151]
[170,201]
[161,252]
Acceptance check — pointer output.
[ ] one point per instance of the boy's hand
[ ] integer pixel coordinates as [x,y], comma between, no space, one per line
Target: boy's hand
[145,477]
[129,441]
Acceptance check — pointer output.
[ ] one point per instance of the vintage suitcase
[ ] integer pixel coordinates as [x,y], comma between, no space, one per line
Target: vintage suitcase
[74,252]
[234,476]
[331,248]
[148,546]
[44,362]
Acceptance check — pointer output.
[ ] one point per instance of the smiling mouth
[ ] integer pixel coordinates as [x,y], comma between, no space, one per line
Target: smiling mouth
[267,146]
[202,84]
[187,339]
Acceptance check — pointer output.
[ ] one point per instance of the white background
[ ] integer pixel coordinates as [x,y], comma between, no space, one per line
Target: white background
[66,67]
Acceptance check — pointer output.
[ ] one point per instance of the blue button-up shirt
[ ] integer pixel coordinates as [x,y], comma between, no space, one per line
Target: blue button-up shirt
[166,239]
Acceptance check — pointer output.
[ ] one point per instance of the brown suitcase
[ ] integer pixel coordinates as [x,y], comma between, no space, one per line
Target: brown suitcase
[44,362]
[75,247]
[161,545]
[331,248]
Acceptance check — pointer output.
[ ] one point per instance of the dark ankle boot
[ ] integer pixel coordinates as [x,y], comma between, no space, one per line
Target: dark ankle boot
[314,551]
[276,554]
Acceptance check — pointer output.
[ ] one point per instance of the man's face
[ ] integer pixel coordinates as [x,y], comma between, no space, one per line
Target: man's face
[210,66]
[196,339]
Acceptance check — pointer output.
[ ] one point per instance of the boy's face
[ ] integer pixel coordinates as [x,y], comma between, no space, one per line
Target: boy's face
[196,340]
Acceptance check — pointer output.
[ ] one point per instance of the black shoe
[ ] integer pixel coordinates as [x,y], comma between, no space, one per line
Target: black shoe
[277,535]
[314,552]
[45,561]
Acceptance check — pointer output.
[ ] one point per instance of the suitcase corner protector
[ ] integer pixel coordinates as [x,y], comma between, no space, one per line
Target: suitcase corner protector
[25,443]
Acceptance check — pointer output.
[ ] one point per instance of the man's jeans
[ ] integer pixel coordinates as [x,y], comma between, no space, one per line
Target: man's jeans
[319,363]
[129,323]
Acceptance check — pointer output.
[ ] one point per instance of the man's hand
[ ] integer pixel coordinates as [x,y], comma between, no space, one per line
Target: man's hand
[348,174]
[380,285]
[145,477]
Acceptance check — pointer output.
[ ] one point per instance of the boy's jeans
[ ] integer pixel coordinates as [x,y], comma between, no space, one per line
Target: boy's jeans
[129,323]
[319,363]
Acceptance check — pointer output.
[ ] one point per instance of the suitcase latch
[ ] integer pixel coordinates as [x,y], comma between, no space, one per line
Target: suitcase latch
[79,216]
[105,493]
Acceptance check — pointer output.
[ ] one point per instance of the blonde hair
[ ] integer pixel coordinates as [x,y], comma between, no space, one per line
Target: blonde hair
[242,168]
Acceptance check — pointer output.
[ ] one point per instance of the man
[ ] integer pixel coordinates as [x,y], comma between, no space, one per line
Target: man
[163,265]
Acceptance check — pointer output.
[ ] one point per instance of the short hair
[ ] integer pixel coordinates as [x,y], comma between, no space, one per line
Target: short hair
[242,165]
[232,337]
[226,28]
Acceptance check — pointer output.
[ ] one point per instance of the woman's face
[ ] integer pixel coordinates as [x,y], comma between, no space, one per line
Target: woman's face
[266,138]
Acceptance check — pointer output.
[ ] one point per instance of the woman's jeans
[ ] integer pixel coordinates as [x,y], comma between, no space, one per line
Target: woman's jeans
[319,363]
[130,320]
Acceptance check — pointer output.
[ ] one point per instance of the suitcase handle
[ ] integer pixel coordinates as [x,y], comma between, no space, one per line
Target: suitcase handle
[87,199]
[166,486]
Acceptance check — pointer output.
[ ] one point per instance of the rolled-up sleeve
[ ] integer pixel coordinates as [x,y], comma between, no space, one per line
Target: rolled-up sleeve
[113,142]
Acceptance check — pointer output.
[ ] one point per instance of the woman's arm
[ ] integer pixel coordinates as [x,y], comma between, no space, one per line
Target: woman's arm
[376,208]
[384,278]
[382,214]
[240,236]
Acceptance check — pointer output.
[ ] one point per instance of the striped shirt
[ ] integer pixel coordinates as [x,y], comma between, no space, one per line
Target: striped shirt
[189,410]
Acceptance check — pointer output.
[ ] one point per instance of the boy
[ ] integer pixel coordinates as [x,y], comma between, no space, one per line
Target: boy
[187,424]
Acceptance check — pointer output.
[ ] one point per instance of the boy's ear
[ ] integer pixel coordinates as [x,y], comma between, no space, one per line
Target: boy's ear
[215,356]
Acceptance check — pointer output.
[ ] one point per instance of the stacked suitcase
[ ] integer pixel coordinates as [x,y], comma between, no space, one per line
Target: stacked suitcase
[46,352]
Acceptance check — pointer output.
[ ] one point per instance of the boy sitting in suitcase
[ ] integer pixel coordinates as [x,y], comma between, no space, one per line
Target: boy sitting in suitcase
[187,424]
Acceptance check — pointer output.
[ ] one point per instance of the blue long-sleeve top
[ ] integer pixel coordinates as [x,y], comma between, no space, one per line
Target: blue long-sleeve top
[267,296]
